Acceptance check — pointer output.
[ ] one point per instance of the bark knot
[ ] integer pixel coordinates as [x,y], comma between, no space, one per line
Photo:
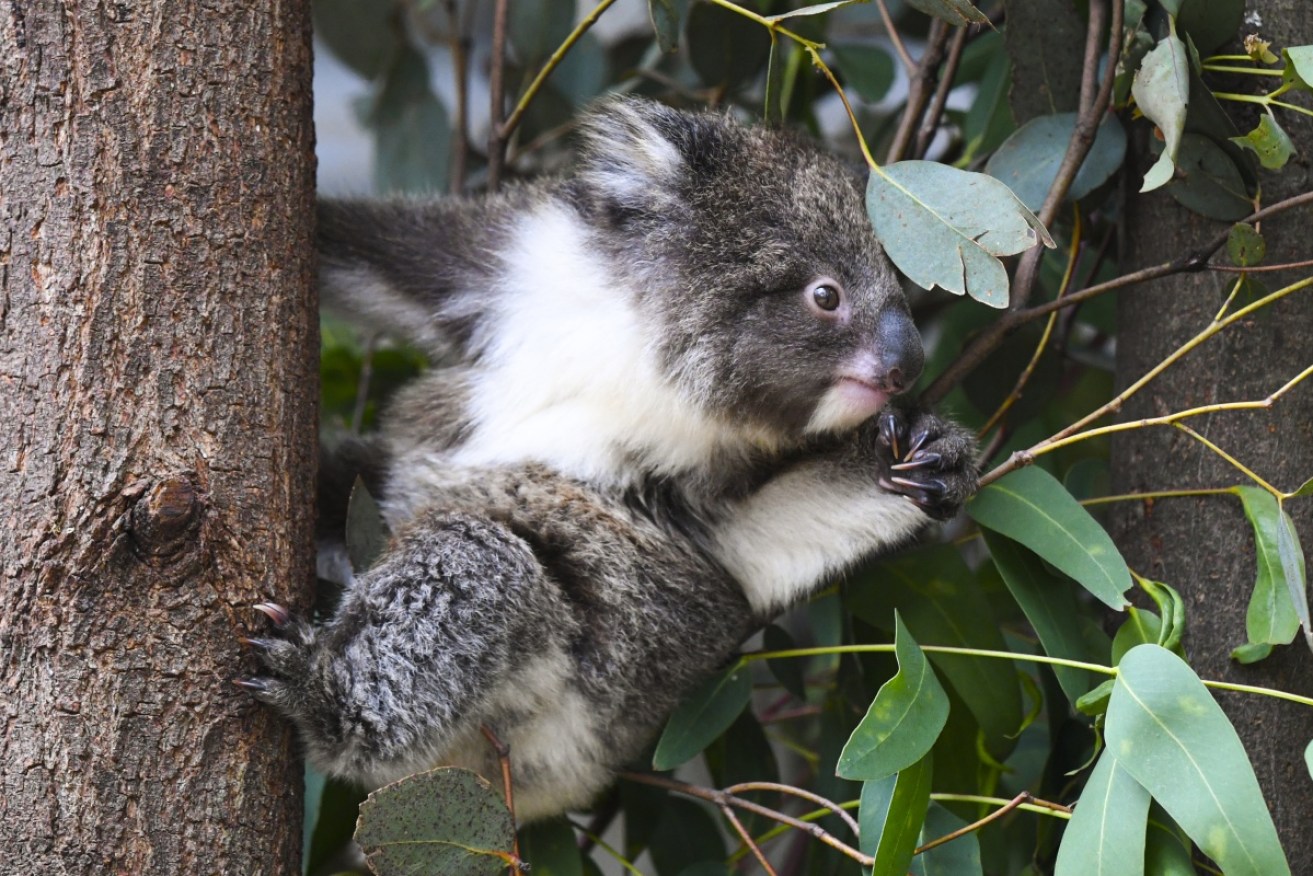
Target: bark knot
[165,516]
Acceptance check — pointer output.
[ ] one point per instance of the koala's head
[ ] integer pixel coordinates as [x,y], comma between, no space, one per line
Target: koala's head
[750,251]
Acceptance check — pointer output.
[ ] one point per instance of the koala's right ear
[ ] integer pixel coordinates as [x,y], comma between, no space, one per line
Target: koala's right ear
[637,154]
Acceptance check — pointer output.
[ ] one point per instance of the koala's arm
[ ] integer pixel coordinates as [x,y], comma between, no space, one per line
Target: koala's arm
[862,497]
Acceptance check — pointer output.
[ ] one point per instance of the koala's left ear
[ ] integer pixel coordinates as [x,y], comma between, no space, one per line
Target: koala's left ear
[638,153]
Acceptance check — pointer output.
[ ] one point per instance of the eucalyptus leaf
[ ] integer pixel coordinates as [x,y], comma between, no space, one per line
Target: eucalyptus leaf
[446,820]
[1028,161]
[1050,606]
[943,227]
[537,29]
[366,532]
[1251,652]
[1292,565]
[550,849]
[722,50]
[1032,507]
[956,12]
[1106,834]
[1305,489]
[1140,627]
[1162,91]
[1299,66]
[702,716]
[668,21]
[816,9]
[1167,731]
[1210,23]
[1209,181]
[893,810]
[361,35]
[1308,758]
[772,110]
[867,68]
[1172,606]
[902,722]
[1096,701]
[1271,617]
[1245,246]
[1167,852]
[412,133]
[961,857]
[1269,142]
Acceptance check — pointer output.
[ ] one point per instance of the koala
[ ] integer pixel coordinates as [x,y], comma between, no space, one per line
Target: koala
[661,412]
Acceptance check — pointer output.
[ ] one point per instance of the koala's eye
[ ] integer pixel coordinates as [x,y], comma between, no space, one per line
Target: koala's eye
[826,296]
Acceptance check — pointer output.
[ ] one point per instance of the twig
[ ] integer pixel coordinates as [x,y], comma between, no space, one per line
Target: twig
[747,839]
[1023,797]
[513,120]
[798,792]
[503,752]
[1258,269]
[496,87]
[722,799]
[908,64]
[460,71]
[918,92]
[988,340]
[1070,433]
[930,124]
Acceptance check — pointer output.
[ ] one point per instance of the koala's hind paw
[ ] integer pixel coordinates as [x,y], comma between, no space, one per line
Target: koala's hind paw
[286,657]
[929,460]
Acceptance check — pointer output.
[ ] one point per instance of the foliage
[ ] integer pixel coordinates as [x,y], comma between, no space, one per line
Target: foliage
[969,686]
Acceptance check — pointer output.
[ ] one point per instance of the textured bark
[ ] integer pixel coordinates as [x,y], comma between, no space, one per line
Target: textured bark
[157,414]
[1204,546]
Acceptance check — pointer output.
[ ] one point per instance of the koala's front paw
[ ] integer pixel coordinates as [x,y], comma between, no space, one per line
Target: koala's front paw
[929,460]
[287,658]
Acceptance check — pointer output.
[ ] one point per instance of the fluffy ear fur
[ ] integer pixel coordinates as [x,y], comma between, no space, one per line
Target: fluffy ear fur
[637,154]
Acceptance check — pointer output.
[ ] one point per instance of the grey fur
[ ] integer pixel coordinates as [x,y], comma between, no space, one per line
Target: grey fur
[568,603]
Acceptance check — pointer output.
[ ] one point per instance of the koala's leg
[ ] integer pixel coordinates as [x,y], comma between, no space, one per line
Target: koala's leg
[414,644]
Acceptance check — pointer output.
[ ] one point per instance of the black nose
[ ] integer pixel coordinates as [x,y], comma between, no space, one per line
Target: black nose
[899,353]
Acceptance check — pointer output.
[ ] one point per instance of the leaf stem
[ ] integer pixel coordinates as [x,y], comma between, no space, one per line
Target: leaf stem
[929,649]
[1023,797]
[1160,494]
[1036,805]
[1249,71]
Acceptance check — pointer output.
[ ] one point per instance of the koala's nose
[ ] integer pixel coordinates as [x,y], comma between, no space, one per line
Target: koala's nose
[899,354]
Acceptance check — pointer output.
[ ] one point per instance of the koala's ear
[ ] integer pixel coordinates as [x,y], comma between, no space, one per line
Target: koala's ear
[638,153]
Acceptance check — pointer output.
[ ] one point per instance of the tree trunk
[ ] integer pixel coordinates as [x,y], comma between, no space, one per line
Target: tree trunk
[158,350]
[1203,546]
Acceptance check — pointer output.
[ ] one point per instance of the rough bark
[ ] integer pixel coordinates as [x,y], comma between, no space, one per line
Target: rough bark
[157,365]
[1203,546]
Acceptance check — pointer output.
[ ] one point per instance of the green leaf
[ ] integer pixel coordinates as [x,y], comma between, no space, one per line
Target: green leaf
[1171,736]
[772,109]
[1166,852]
[961,857]
[1305,489]
[332,807]
[724,51]
[867,68]
[1251,652]
[361,35]
[537,29]
[1210,23]
[1140,627]
[1299,66]
[1106,835]
[1210,184]
[687,840]
[412,135]
[1050,605]
[892,812]
[788,672]
[1269,142]
[943,227]
[1029,505]
[550,849]
[702,716]
[903,721]
[1308,758]
[446,820]
[1172,606]
[1271,617]
[817,9]
[1245,246]
[667,20]
[955,12]
[988,121]
[366,532]
[1028,160]
[1162,90]
[1096,701]
[936,594]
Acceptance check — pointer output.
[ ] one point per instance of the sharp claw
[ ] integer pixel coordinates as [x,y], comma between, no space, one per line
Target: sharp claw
[262,644]
[280,616]
[920,459]
[251,684]
[907,484]
[888,430]
[918,441]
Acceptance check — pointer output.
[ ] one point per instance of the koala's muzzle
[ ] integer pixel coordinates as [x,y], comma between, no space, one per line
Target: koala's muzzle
[899,356]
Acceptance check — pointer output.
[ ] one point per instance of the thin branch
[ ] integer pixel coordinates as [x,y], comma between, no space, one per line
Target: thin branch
[918,93]
[798,792]
[461,73]
[1023,797]
[978,349]
[496,87]
[1026,457]
[513,120]
[1162,494]
[930,124]
[742,831]
[721,799]
[908,64]
[1259,269]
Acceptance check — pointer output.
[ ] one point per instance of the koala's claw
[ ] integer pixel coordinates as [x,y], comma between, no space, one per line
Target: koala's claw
[927,460]
[280,616]
[255,685]
[257,643]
